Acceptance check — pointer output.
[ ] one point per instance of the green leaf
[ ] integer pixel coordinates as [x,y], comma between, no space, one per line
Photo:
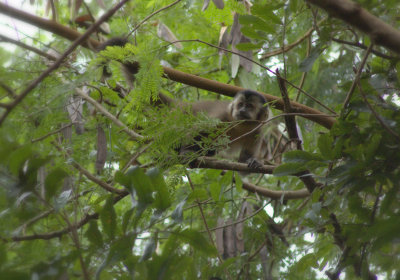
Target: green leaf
[252,33]
[14,275]
[126,218]
[177,214]
[197,241]
[162,199]
[108,218]
[94,235]
[248,46]
[215,190]
[123,179]
[18,158]
[238,182]
[54,181]
[119,250]
[289,169]
[300,157]
[325,145]
[142,184]
[149,249]
[255,23]
[197,194]
[309,260]
[372,147]
[266,13]
[307,63]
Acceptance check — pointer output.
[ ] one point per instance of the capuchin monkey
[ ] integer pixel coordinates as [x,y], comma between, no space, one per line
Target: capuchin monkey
[248,108]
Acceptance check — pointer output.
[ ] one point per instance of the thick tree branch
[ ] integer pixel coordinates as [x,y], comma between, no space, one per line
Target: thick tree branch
[380,32]
[210,162]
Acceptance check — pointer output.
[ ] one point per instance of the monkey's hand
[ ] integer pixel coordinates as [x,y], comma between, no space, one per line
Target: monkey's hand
[254,163]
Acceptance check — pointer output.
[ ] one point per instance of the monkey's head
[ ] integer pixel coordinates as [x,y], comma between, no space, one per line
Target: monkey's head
[249,105]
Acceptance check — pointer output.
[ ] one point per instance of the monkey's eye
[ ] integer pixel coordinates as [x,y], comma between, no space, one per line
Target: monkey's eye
[250,106]
[240,104]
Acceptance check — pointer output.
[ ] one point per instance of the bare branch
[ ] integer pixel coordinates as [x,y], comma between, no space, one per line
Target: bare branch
[357,78]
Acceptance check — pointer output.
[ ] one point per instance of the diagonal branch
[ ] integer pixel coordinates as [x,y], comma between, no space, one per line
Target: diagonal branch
[357,78]
[110,116]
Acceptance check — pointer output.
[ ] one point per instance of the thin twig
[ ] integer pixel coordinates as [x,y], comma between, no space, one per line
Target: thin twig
[364,47]
[358,75]
[377,117]
[51,133]
[151,15]
[110,116]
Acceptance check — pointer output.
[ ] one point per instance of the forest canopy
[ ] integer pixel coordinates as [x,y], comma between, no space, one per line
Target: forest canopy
[93,181]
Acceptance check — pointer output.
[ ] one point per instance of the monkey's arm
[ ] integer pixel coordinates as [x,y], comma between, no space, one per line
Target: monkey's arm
[250,151]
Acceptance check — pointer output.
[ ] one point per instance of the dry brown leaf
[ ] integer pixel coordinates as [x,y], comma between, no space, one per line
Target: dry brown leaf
[219,236]
[101,155]
[75,109]
[219,3]
[205,5]
[230,239]
[165,33]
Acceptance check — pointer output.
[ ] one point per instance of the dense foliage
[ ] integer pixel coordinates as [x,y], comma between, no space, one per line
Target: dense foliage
[95,189]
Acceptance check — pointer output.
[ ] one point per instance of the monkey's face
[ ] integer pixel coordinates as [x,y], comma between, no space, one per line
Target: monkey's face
[249,105]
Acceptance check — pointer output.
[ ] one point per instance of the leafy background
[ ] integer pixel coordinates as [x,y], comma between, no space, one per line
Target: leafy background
[82,198]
